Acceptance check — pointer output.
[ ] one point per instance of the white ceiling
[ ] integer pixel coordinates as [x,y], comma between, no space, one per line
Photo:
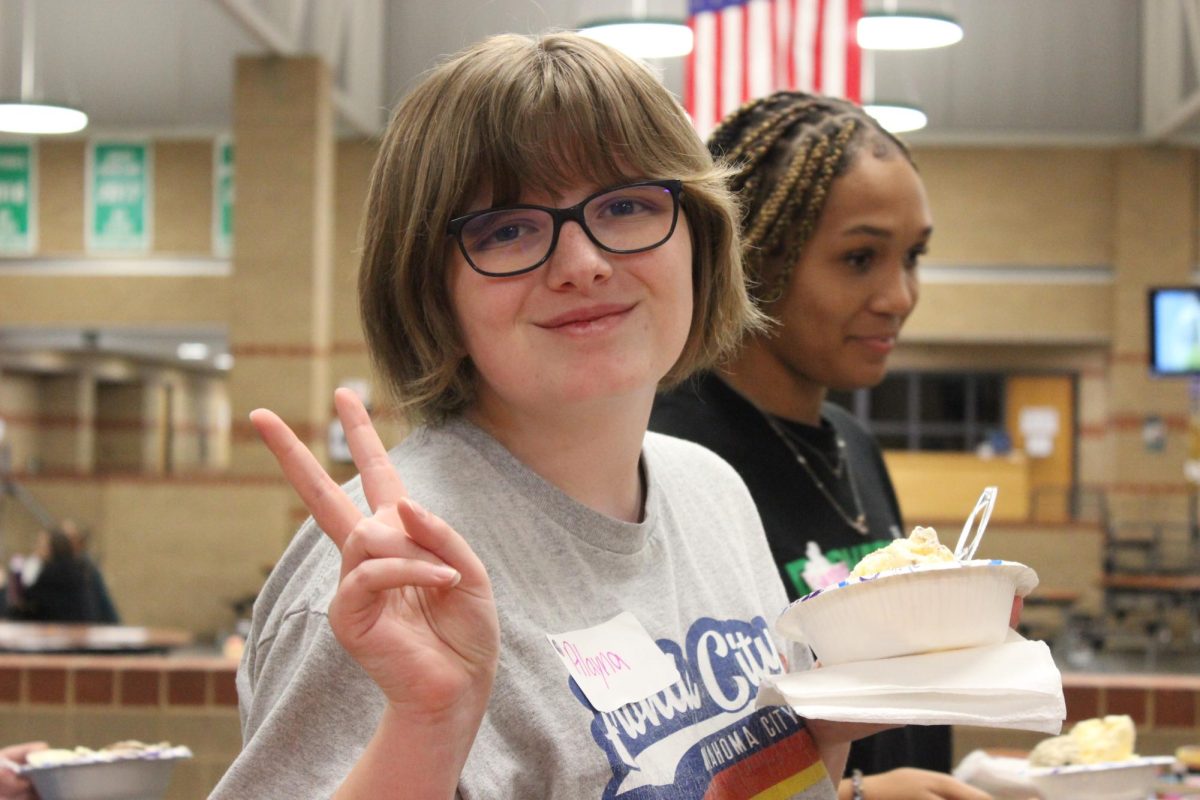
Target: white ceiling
[1026,69]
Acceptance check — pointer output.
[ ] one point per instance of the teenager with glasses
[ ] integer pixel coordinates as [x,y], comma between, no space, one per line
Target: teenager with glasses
[834,222]
[531,596]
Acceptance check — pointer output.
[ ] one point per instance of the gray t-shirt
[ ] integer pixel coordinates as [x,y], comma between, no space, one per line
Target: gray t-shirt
[695,572]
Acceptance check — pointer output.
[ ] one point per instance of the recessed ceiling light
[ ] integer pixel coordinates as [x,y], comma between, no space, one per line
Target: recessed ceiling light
[906,31]
[897,117]
[642,38]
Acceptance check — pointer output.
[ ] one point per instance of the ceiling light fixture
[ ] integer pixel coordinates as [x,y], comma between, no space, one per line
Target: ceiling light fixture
[192,351]
[30,116]
[897,117]
[640,36]
[906,30]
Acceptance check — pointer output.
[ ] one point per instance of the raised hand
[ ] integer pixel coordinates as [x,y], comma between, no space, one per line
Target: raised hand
[414,605]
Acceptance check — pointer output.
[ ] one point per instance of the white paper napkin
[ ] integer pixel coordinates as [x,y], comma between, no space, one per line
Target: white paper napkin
[1011,685]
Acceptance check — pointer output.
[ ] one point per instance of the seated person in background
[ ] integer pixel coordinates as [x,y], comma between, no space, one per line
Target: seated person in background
[61,590]
[106,611]
[12,785]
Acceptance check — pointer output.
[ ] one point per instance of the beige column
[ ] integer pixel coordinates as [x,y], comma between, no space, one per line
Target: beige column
[67,423]
[280,329]
[1154,244]
[157,424]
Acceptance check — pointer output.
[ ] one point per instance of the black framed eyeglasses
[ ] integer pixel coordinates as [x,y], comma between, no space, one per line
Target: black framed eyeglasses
[512,240]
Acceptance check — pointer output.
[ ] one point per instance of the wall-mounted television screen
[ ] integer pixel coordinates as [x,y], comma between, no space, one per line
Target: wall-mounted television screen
[1175,330]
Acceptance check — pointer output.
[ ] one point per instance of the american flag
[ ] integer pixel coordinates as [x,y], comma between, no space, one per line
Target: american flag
[749,48]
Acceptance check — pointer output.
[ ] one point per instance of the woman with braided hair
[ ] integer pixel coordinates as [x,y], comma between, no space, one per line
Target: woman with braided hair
[834,222]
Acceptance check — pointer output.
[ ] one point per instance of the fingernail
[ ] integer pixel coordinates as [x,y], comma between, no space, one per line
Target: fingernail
[451,575]
[417,508]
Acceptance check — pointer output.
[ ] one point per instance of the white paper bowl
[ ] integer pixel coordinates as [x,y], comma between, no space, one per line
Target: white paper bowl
[136,778]
[900,612]
[1117,780]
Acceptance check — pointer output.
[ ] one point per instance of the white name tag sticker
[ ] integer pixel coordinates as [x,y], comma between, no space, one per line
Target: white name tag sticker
[616,662]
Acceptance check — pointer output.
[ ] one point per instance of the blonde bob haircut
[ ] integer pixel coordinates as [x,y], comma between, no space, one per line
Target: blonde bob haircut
[514,114]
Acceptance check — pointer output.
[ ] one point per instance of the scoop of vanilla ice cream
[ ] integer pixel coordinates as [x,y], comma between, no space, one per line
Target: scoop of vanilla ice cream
[1104,739]
[1057,751]
[921,547]
[1091,741]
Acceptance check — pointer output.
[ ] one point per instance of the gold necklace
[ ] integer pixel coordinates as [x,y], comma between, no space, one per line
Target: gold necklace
[858,522]
[835,469]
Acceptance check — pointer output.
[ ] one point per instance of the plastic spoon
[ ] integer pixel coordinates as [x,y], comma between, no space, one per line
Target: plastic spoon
[966,547]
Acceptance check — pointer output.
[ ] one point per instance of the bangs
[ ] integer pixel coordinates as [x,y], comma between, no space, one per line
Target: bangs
[572,117]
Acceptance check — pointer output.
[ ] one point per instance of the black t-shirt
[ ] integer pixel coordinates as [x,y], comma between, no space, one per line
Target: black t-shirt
[795,512]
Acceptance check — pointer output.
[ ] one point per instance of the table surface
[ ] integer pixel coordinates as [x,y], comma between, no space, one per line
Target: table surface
[41,637]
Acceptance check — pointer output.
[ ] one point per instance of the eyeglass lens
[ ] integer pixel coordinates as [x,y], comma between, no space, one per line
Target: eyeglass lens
[625,219]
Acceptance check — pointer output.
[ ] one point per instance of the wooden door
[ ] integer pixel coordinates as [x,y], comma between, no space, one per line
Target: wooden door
[1051,476]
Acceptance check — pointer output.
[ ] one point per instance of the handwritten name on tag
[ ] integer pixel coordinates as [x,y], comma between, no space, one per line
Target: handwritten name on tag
[615,662]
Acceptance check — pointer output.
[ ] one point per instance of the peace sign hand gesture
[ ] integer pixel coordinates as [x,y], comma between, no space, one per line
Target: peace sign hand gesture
[414,605]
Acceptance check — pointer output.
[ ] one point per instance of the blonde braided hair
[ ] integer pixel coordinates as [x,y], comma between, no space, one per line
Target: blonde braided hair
[785,151]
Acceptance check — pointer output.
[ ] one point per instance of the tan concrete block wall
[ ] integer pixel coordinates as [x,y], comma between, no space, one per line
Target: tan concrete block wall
[72,300]
[1095,444]
[183,196]
[1034,206]
[354,161]
[75,498]
[61,178]
[1066,557]
[963,313]
[214,537]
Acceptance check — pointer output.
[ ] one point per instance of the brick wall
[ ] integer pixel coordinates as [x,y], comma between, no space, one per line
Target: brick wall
[93,701]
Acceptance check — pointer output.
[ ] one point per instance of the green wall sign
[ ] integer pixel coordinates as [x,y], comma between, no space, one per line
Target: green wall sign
[223,197]
[18,205]
[119,197]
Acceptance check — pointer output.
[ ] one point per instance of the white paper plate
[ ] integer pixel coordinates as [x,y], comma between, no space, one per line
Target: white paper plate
[1115,780]
[137,777]
[1003,777]
[910,610]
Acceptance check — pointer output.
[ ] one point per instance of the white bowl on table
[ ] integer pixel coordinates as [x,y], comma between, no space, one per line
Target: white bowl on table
[1117,780]
[132,778]
[910,610]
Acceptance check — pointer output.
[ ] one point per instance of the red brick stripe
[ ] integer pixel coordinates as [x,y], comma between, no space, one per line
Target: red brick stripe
[47,685]
[278,350]
[1127,701]
[94,687]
